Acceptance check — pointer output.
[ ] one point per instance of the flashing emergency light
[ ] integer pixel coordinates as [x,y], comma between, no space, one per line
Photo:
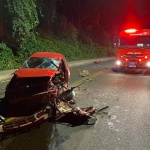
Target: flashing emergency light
[146,57]
[140,60]
[130,31]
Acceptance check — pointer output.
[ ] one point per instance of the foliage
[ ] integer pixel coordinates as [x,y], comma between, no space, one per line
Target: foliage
[72,51]
[57,33]
[23,20]
[71,32]
[65,30]
[6,57]
[48,14]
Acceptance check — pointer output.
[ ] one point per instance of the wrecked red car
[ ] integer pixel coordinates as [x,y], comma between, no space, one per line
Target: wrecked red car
[38,92]
[41,72]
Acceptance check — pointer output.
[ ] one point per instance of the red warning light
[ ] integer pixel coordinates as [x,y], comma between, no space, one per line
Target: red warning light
[146,57]
[130,30]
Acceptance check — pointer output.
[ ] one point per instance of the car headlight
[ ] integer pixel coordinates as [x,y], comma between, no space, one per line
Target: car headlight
[118,62]
[148,64]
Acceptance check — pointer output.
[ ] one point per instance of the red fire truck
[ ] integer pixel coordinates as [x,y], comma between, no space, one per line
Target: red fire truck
[133,49]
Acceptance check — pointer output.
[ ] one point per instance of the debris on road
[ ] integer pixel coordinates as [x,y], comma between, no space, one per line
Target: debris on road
[96,62]
[111,125]
[84,73]
[102,111]
[58,106]
[98,110]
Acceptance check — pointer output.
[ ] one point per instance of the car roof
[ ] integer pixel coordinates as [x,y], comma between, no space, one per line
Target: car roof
[48,54]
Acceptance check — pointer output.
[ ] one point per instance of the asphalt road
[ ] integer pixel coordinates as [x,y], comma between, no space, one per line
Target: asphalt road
[123,126]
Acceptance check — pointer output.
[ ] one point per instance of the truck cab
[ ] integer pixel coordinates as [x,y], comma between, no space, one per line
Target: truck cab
[133,49]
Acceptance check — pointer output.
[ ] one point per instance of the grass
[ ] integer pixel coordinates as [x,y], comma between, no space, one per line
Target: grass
[73,50]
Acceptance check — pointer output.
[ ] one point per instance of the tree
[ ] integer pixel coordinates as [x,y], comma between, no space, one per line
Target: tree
[23,19]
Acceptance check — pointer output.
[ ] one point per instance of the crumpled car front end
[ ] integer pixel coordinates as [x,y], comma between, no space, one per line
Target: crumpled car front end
[27,93]
[20,93]
[25,87]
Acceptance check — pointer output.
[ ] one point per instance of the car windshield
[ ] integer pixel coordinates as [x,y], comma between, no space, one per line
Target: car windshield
[46,63]
[134,41]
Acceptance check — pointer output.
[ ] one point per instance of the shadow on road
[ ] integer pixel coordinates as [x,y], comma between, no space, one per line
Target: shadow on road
[72,120]
[145,72]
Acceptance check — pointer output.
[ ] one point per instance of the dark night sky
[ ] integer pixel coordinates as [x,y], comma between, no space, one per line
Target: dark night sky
[137,14]
[114,14]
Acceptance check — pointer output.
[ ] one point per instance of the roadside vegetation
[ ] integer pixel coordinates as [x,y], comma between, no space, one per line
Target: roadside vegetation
[72,51]
[34,26]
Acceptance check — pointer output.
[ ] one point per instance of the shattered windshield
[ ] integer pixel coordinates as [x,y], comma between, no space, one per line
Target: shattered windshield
[134,41]
[46,63]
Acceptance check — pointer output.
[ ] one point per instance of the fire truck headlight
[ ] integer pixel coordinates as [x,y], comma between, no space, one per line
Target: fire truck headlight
[118,62]
[148,64]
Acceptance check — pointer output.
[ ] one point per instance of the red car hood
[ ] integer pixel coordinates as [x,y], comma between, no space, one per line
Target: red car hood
[35,72]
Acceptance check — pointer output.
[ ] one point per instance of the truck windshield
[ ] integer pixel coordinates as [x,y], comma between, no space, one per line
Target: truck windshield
[46,63]
[134,41]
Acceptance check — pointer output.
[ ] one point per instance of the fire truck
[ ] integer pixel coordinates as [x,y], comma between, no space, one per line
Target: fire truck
[133,49]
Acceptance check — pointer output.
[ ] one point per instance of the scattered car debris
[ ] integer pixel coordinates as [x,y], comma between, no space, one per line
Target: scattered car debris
[96,62]
[90,79]
[111,125]
[21,123]
[101,110]
[58,105]
[84,73]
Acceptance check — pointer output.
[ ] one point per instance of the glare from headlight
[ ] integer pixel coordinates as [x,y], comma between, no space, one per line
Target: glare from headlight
[118,62]
[148,64]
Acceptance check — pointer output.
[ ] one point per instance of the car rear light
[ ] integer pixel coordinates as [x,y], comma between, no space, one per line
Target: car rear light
[121,56]
[140,60]
[146,57]
[126,59]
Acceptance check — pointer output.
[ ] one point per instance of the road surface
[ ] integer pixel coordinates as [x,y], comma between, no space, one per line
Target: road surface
[123,126]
